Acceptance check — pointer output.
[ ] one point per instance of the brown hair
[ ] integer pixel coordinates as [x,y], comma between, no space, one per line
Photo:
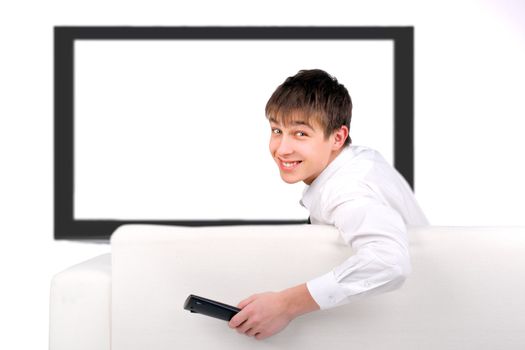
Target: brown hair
[312,94]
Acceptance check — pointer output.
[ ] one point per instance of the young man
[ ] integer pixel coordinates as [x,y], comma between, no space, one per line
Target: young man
[350,187]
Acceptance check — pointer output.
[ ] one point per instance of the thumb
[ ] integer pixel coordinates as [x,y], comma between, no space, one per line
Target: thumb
[246,301]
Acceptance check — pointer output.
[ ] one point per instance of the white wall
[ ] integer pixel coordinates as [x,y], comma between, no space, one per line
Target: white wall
[469,90]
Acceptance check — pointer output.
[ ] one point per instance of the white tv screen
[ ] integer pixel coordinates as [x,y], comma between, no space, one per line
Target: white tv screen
[176,129]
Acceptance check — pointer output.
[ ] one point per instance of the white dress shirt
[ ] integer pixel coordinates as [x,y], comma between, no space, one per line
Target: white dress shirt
[371,204]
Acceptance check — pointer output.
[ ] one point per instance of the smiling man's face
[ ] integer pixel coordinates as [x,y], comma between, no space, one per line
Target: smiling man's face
[301,149]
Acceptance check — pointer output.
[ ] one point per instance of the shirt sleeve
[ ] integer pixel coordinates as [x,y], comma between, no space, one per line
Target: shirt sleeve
[381,261]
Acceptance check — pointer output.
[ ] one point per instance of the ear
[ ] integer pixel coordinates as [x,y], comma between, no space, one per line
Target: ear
[340,136]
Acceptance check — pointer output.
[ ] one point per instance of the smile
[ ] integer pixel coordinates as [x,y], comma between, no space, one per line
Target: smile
[289,165]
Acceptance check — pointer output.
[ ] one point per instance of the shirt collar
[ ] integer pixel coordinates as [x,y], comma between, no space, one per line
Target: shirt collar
[310,190]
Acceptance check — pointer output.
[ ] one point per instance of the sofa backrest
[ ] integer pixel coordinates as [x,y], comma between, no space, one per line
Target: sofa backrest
[466,290]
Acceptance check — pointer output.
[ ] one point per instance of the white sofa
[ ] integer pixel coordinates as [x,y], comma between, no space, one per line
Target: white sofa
[466,290]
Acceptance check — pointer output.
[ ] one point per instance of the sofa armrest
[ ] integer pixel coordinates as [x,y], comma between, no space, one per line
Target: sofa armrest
[80,302]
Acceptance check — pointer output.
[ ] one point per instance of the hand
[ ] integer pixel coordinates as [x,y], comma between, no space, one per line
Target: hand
[262,315]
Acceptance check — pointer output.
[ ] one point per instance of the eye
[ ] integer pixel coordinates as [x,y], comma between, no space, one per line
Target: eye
[300,134]
[276,131]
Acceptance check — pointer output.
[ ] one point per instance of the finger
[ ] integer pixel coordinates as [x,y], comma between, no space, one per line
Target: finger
[251,332]
[244,327]
[238,319]
[246,301]
[259,336]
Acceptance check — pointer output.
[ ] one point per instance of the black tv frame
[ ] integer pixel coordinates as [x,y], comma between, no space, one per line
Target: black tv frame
[65,225]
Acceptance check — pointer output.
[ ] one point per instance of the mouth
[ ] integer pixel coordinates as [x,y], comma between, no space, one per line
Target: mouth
[289,165]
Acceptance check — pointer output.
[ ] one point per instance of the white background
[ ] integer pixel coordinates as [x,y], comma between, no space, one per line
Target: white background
[468,98]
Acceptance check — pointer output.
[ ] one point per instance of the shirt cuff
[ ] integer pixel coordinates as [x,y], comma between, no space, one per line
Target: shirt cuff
[326,292]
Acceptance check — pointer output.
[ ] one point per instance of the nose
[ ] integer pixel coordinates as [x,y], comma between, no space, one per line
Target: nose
[284,146]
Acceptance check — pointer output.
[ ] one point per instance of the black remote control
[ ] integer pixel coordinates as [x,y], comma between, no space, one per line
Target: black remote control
[210,307]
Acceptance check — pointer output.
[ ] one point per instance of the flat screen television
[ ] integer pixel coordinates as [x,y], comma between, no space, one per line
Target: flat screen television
[166,124]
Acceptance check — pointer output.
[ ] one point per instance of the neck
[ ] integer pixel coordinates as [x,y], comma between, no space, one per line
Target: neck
[335,154]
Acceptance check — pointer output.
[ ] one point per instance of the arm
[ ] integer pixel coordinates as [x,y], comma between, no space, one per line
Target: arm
[381,263]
